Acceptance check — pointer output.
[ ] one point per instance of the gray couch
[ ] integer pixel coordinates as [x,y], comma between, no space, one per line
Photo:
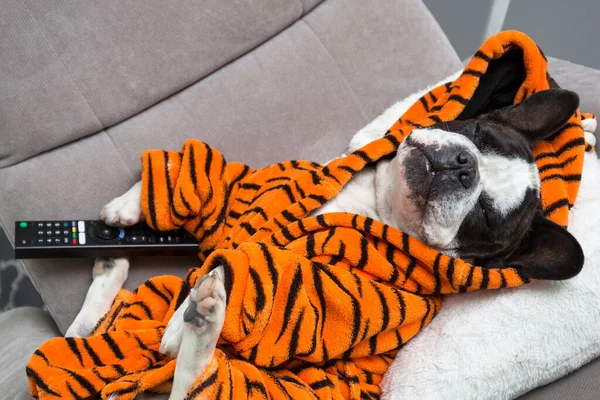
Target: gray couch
[87,86]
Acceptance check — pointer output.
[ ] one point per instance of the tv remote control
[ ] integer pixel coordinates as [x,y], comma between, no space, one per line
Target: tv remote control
[62,239]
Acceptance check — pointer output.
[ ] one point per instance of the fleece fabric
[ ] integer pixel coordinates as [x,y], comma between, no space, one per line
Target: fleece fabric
[317,306]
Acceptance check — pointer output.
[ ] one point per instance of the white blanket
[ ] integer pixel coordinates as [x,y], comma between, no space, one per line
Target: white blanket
[500,344]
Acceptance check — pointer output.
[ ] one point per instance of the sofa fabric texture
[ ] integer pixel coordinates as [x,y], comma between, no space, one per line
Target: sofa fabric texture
[22,330]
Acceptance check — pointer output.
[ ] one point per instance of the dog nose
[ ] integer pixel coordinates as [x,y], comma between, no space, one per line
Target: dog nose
[464,157]
[467,168]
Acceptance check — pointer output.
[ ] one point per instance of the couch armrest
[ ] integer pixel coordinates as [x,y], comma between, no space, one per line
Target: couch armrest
[22,331]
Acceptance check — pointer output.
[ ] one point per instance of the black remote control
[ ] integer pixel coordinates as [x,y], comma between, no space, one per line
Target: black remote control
[60,239]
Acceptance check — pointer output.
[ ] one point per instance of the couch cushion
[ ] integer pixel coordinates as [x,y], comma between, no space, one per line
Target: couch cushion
[298,95]
[40,105]
[72,68]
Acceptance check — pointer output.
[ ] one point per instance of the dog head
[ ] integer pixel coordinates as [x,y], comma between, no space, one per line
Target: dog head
[471,188]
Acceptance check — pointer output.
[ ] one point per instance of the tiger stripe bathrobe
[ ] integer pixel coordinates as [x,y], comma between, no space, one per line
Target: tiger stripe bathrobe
[317,306]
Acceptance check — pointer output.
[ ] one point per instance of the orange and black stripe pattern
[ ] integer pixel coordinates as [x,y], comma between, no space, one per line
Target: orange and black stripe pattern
[121,356]
[317,306]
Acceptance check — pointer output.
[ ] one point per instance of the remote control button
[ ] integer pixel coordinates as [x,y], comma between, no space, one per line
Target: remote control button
[24,241]
[74,241]
[74,235]
[65,224]
[121,233]
[74,229]
[57,224]
[161,239]
[106,232]
[40,233]
[57,233]
[139,239]
[48,233]
[23,224]
[40,224]
[177,240]
[48,224]
[65,240]
[169,239]
[73,223]
[40,241]
[81,226]
[66,232]
[56,240]
[81,238]
[48,240]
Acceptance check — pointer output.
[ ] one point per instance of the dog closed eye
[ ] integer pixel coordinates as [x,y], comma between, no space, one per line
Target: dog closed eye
[485,214]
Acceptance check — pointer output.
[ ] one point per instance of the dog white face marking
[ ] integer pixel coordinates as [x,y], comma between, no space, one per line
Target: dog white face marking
[432,205]
[505,180]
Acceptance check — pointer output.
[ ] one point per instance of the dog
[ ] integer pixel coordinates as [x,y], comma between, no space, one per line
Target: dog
[468,188]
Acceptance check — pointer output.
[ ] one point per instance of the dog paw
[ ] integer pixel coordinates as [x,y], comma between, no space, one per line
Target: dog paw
[200,300]
[203,320]
[115,268]
[590,125]
[589,138]
[125,210]
[205,313]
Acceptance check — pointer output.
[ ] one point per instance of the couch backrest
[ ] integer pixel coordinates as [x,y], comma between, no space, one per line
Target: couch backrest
[70,69]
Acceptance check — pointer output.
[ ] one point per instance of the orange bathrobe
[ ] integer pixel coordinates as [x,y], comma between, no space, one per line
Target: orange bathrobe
[317,307]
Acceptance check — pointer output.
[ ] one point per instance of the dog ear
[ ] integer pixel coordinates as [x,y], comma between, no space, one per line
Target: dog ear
[540,115]
[548,252]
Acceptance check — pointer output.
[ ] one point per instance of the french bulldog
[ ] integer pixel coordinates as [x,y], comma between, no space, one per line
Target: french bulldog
[468,188]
